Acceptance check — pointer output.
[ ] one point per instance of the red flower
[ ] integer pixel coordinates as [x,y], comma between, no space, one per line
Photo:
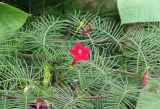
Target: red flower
[86,31]
[79,53]
[40,100]
[144,78]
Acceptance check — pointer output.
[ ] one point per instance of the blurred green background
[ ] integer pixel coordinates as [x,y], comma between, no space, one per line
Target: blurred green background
[58,7]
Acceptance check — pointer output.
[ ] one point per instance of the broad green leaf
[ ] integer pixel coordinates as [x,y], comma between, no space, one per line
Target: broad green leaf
[150,96]
[11,18]
[132,11]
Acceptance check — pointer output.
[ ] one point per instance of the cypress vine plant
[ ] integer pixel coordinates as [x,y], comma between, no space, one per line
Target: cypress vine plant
[37,68]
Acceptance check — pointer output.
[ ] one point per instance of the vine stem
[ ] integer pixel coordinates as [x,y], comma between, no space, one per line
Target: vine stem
[129,74]
[84,98]
[26,102]
[42,7]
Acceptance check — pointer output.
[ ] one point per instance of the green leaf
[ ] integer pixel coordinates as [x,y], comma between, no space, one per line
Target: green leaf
[132,11]
[11,18]
[150,96]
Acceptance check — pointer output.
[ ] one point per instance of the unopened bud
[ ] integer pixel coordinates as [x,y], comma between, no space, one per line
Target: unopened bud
[26,90]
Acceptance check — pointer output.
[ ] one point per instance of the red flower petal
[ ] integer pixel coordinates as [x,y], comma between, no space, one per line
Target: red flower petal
[79,53]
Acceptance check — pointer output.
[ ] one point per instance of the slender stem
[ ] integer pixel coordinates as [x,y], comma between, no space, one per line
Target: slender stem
[11,97]
[30,57]
[94,97]
[42,7]
[99,7]
[97,97]
[5,103]
[30,6]
[138,62]
[130,74]
[26,102]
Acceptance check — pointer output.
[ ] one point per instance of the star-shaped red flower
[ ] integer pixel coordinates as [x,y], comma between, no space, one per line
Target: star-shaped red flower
[79,53]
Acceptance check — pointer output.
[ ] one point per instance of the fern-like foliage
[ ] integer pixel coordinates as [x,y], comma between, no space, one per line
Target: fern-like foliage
[110,80]
[142,49]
